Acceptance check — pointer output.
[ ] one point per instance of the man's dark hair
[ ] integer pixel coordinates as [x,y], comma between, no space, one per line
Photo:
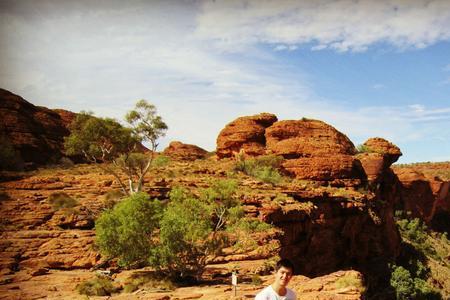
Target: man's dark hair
[284,263]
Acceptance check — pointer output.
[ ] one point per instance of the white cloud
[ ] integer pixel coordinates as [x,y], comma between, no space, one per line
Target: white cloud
[105,57]
[378,86]
[342,25]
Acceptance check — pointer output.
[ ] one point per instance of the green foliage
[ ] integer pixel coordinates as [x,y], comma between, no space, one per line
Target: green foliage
[413,277]
[127,230]
[99,286]
[409,287]
[160,161]
[179,239]
[265,167]
[402,282]
[186,237]
[350,281]
[416,232]
[61,200]
[98,139]
[256,279]
[364,149]
[146,123]
[105,140]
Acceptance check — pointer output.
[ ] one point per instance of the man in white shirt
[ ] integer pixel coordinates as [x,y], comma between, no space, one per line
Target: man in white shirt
[278,289]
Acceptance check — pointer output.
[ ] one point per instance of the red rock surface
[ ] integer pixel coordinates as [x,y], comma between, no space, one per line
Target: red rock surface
[423,197]
[379,145]
[307,138]
[380,155]
[313,150]
[35,132]
[181,151]
[244,134]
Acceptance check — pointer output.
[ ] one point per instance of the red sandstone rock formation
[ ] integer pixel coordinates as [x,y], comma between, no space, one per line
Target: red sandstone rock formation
[37,133]
[313,150]
[380,155]
[178,150]
[423,197]
[245,134]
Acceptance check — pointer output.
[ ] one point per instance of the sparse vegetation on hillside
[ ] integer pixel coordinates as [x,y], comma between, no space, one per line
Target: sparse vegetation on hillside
[364,149]
[415,274]
[264,168]
[61,200]
[105,140]
[430,169]
[98,286]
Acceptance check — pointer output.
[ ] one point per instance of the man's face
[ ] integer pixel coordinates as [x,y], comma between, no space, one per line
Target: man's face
[283,276]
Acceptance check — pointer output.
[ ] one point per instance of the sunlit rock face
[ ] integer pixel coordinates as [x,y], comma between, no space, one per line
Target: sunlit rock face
[244,135]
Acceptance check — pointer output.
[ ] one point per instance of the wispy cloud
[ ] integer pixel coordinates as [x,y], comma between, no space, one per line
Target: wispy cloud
[378,86]
[342,25]
[200,63]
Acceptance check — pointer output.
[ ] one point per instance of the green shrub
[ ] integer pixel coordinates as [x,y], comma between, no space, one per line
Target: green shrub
[179,239]
[402,282]
[409,287]
[126,231]
[61,200]
[256,279]
[350,281]
[361,148]
[413,278]
[264,168]
[160,161]
[147,281]
[186,237]
[99,286]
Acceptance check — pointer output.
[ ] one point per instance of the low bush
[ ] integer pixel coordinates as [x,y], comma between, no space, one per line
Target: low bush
[264,168]
[256,279]
[61,200]
[350,281]
[409,287]
[99,286]
[364,149]
[160,161]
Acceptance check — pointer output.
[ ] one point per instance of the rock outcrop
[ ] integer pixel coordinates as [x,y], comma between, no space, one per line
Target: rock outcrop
[312,149]
[36,133]
[377,156]
[180,151]
[425,198]
[246,135]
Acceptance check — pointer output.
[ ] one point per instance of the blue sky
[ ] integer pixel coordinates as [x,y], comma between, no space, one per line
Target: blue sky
[369,68]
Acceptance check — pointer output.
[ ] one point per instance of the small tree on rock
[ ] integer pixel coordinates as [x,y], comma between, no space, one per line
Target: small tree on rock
[104,140]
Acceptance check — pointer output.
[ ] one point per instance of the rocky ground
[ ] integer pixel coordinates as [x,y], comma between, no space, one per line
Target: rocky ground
[47,252]
[333,208]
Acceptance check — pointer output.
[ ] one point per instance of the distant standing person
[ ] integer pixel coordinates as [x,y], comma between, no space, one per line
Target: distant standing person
[278,289]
